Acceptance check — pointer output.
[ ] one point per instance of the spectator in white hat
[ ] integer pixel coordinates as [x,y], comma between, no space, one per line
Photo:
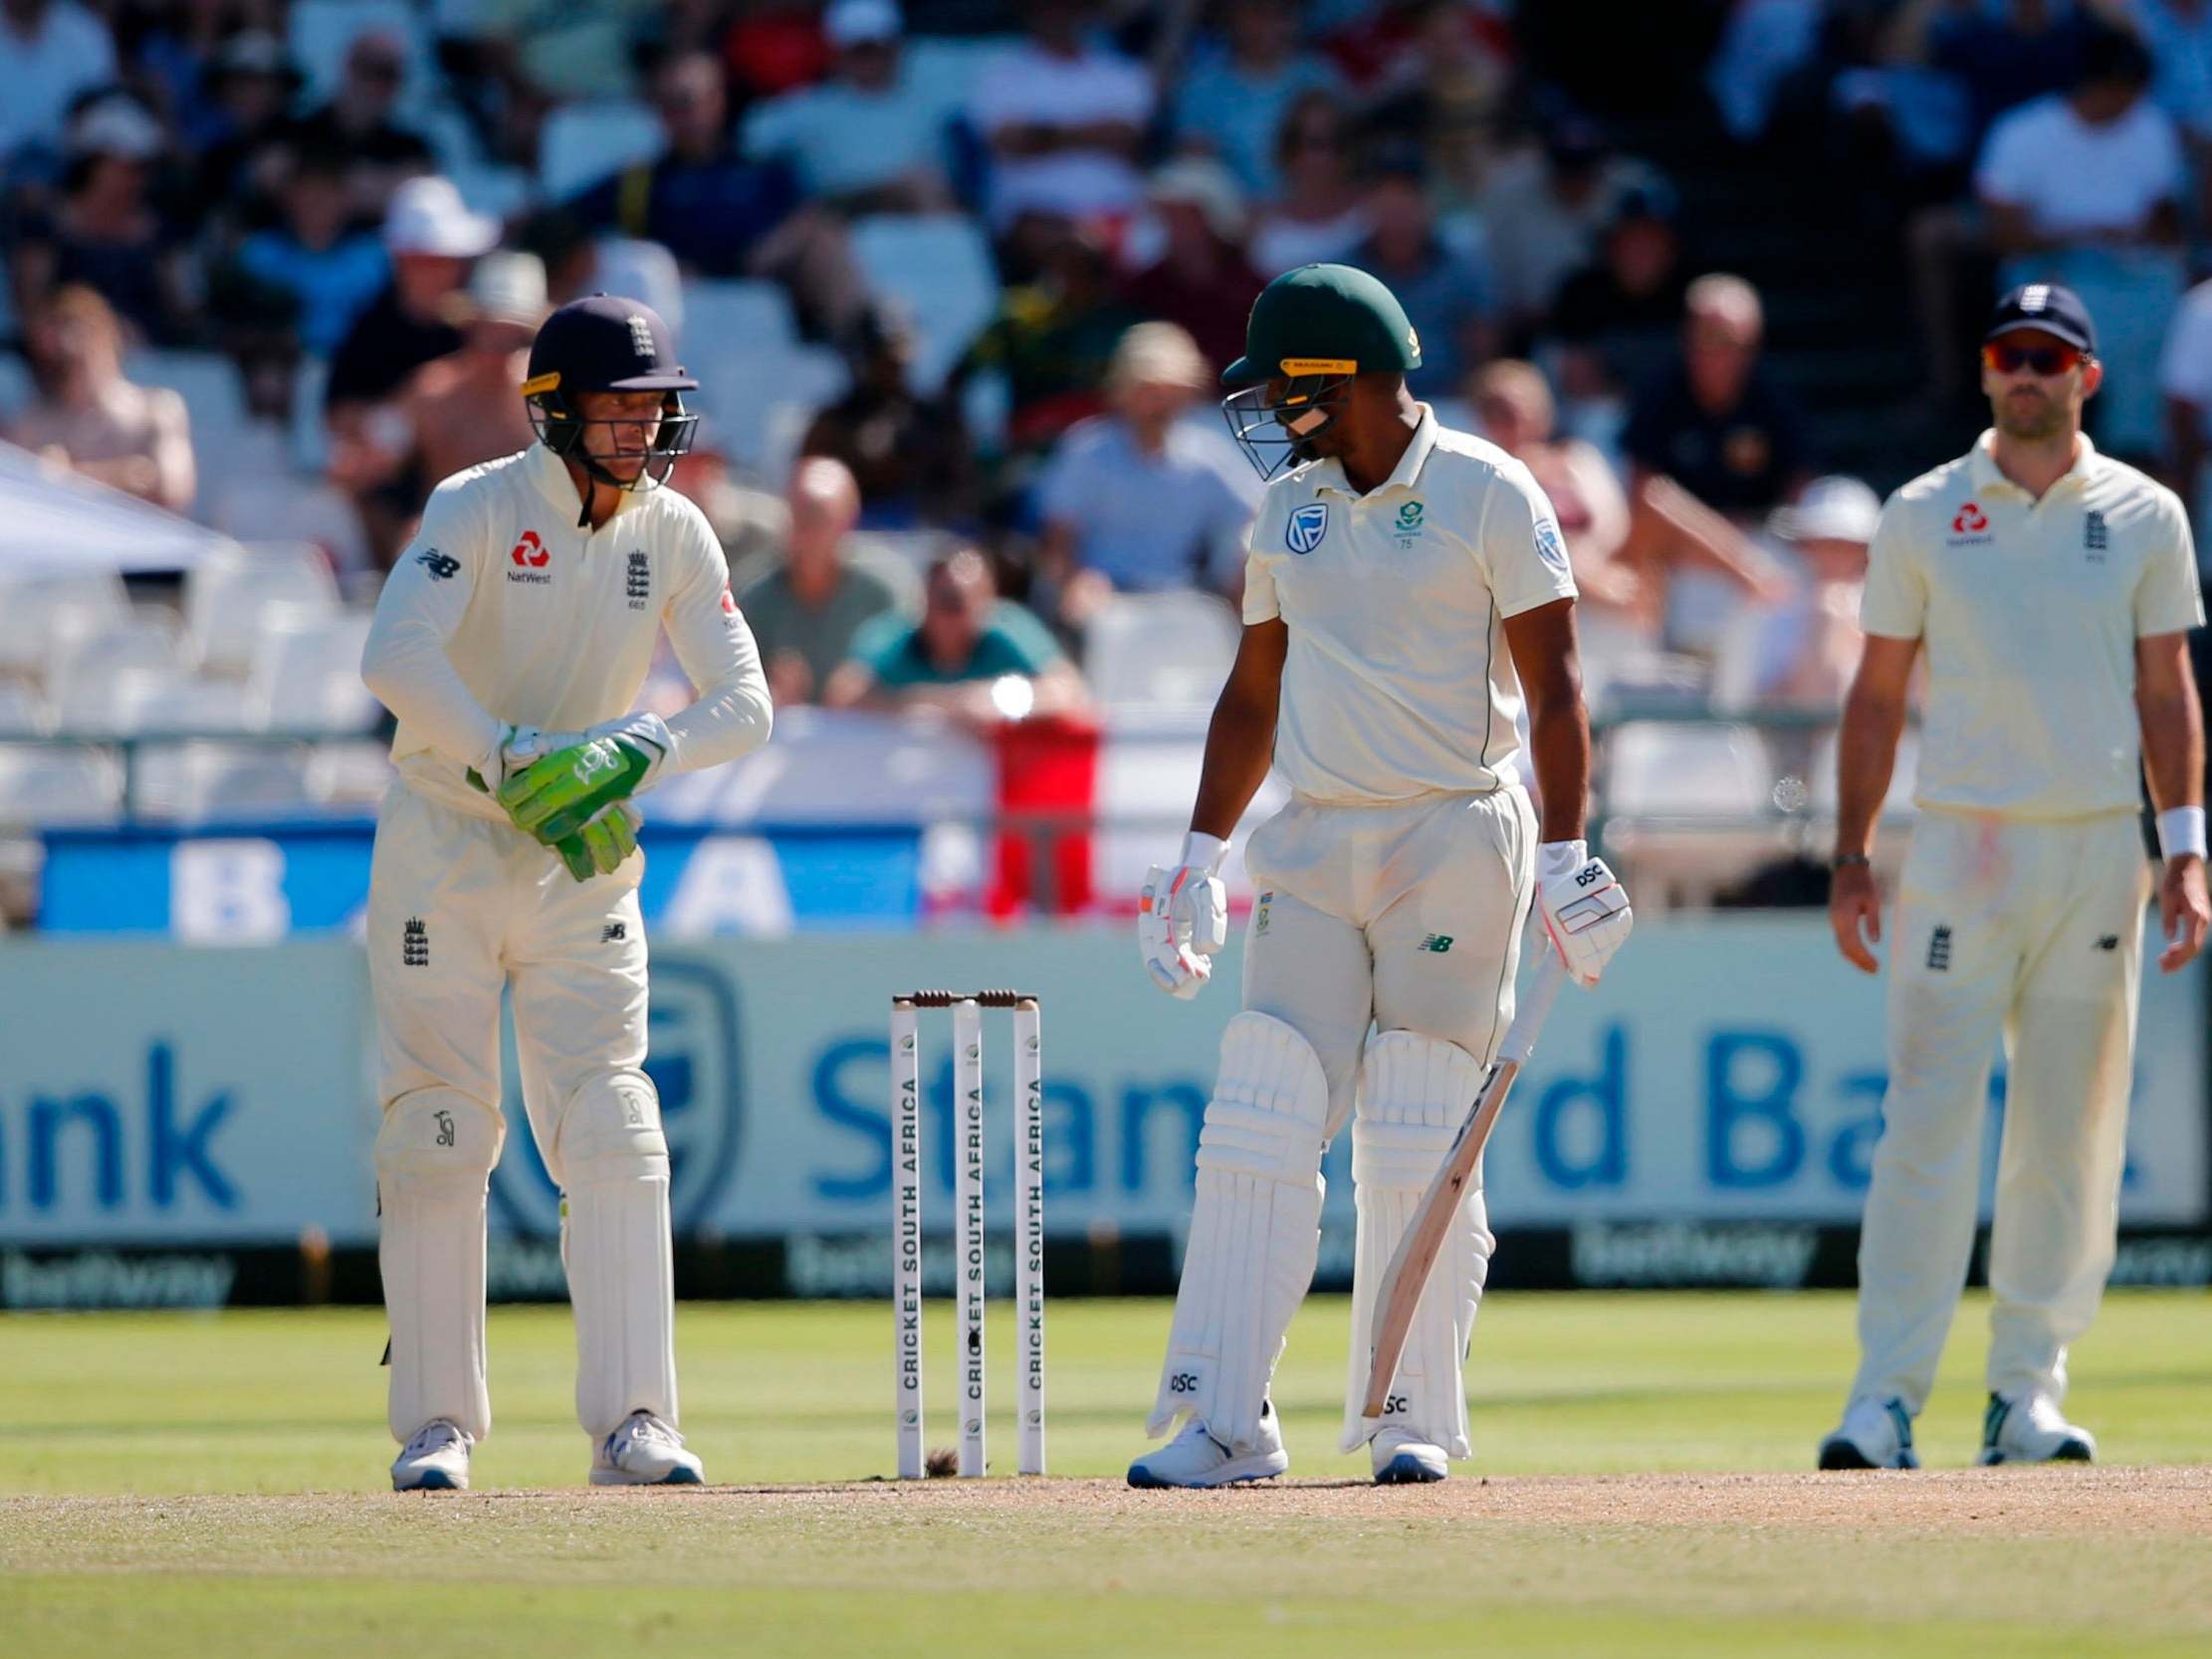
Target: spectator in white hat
[1138,498]
[1808,649]
[1203,279]
[871,137]
[462,408]
[432,238]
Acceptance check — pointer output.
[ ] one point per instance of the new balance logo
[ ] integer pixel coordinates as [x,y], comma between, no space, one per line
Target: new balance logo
[1939,950]
[614,932]
[1436,942]
[2110,941]
[440,565]
[414,943]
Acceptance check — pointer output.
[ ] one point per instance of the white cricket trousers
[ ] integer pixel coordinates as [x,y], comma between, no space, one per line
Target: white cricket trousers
[2029,931]
[1408,916]
[461,907]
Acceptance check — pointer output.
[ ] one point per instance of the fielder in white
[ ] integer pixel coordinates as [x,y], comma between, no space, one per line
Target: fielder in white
[1406,597]
[2052,591]
[511,638]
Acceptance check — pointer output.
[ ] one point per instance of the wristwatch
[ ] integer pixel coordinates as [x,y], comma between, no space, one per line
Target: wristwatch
[1844,861]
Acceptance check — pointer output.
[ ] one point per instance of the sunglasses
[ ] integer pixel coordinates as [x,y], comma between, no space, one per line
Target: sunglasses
[2046,360]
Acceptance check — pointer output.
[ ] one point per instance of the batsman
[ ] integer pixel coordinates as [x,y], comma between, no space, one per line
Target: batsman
[1408,603]
[510,639]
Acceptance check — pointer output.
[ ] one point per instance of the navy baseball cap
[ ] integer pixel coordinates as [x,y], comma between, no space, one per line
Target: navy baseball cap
[606,343]
[2051,306]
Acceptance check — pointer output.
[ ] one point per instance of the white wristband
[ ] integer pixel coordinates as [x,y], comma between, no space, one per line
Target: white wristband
[2181,830]
[1205,851]
[1557,858]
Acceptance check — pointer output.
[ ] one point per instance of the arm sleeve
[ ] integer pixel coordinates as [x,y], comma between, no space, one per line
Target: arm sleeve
[1031,643]
[716,650]
[1261,602]
[1896,603]
[1519,544]
[404,661]
[2169,599]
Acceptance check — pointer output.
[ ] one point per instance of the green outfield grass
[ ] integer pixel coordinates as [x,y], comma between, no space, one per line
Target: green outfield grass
[105,1421]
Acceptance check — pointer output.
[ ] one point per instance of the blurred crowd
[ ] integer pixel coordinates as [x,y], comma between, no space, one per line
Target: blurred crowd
[957,279]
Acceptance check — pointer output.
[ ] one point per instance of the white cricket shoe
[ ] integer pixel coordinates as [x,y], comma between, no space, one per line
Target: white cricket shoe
[1875,1434]
[2032,1431]
[1194,1457]
[1402,1458]
[645,1451]
[435,1459]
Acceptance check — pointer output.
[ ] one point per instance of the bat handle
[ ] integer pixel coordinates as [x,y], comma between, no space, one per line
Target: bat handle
[1536,1001]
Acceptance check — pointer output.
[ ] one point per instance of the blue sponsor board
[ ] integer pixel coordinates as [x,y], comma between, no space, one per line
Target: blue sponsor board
[1727,1071]
[258,884]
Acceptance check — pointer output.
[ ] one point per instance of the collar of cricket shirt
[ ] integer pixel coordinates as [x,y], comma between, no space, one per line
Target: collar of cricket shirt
[1329,474]
[551,473]
[1981,467]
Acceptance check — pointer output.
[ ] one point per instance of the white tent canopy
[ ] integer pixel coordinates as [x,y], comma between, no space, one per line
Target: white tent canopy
[54,522]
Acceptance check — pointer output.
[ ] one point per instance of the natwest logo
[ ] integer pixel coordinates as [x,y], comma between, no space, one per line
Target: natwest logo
[529,551]
[1971,520]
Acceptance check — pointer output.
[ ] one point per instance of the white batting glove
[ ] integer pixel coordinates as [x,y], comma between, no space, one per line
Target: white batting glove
[1182,917]
[1585,909]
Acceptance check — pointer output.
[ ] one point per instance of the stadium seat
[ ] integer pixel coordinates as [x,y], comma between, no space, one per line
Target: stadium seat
[158,702]
[49,785]
[350,777]
[92,673]
[1689,808]
[734,316]
[197,783]
[582,143]
[22,710]
[38,615]
[1151,649]
[306,674]
[936,270]
[228,600]
[759,403]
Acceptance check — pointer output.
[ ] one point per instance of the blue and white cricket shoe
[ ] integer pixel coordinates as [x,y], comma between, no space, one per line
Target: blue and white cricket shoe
[435,1459]
[645,1451]
[1193,1458]
[1402,1458]
[2032,1431]
[1875,1434]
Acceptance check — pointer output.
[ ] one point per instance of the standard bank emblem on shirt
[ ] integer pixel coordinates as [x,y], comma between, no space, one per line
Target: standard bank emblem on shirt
[1549,548]
[1308,524]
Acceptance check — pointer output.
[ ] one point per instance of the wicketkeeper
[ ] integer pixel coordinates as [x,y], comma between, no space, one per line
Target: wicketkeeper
[2051,591]
[513,635]
[1407,599]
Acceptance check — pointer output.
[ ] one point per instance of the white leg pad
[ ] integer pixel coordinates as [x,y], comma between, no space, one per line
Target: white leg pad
[435,1150]
[614,1163]
[1256,1230]
[1414,1094]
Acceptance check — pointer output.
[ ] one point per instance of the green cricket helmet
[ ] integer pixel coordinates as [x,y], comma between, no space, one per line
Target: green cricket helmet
[1311,330]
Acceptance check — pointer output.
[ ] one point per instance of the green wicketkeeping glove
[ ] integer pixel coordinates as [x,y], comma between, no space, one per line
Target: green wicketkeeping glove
[599,848]
[557,797]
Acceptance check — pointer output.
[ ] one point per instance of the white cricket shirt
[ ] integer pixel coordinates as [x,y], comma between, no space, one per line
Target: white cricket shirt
[1397,681]
[504,608]
[2029,611]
